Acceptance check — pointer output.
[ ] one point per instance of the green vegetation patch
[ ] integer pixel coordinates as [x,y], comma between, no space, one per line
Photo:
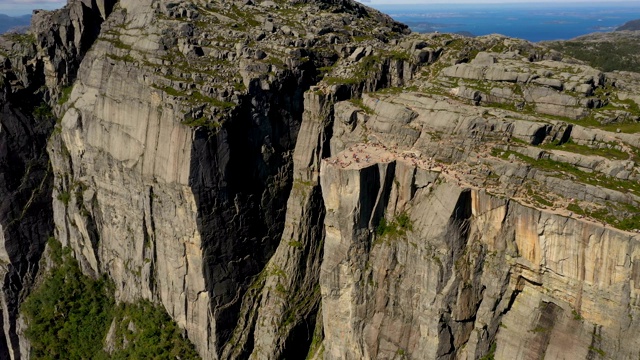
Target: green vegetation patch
[539,329]
[397,227]
[197,97]
[364,70]
[64,197]
[145,331]
[65,94]
[243,15]
[296,244]
[621,54]
[126,58]
[397,90]
[359,103]
[464,47]
[43,112]
[400,55]
[607,214]
[538,198]
[302,304]
[598,351]
[556,167]
[570,146]
[202,121]
[576,315]
[69,315]
[25,39]
[116,42]
[491,354]
[628,128]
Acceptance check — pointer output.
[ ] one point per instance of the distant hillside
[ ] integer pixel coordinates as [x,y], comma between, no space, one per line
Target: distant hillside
[606,51]
[9,22]
[630,25]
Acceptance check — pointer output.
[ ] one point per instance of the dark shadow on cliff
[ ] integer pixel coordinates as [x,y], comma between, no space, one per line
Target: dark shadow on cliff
[241,176]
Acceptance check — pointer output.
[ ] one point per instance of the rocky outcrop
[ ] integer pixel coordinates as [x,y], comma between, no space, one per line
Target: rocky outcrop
[469,272]
[437,241]
[64,36]
[506,79]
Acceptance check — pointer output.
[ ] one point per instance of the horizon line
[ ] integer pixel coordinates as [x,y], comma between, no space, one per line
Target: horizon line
[498,2]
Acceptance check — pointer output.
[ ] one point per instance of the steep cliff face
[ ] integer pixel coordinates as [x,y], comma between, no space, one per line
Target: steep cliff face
[306,179]
[460,224]
[32,68]
[472,272]
[25,213]
[174,165]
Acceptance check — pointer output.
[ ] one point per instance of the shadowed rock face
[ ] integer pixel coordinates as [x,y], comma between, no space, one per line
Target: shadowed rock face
[293,179]
[240,178]
[25,209]
[26,123]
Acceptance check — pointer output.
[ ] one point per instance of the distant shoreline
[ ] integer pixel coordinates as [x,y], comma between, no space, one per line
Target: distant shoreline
[532,21]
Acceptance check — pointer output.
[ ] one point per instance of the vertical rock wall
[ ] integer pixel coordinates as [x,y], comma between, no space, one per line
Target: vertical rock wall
[282,303]
[122,199]
[25,211]
[199,218]
[31,73]
[241,177]
[474,272]
[185,216]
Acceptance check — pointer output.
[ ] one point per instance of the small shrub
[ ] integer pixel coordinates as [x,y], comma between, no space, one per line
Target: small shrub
[65,94]
[576,315]
[359,103]
[296,244]
[491,354]
[65,197]
[398,227]
[400,55]
[597,350]
[43,112]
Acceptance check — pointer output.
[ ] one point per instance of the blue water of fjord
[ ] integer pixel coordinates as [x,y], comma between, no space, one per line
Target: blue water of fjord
[530,21]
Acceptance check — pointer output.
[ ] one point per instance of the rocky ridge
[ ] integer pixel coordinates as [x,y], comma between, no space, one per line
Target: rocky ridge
[630,26]
[608,51]
[294,179]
